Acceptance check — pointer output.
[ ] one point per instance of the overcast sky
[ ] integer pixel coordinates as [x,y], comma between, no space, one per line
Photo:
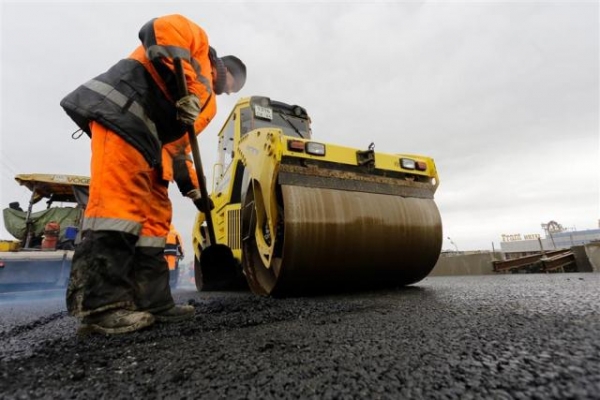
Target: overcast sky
[503,95]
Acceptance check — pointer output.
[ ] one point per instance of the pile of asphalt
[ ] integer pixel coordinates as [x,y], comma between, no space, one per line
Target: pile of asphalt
[465,337]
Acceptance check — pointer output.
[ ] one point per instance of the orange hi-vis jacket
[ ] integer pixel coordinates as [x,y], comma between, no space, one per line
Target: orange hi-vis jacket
[136,97]
[178,165]
[130,114]
[173,248]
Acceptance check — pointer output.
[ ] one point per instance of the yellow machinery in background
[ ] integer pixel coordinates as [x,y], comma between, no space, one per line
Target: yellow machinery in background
[304,216]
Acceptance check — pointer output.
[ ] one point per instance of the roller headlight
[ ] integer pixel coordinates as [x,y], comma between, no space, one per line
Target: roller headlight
[316,149]
[407,163]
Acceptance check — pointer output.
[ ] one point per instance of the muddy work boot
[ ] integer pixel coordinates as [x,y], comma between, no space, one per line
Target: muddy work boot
[114,322]
[175,314]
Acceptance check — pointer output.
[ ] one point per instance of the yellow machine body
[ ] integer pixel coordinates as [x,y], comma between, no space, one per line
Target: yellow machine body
[305,216]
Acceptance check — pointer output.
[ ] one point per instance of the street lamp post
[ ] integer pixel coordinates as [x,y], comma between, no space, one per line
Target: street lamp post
[453,244]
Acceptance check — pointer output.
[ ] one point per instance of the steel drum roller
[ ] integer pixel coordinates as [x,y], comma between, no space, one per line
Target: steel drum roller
[337,240]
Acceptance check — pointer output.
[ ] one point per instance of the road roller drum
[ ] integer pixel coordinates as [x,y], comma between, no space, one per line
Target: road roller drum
[339,240]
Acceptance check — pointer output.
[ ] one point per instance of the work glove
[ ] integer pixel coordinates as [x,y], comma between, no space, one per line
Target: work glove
[196,197]
[188,109]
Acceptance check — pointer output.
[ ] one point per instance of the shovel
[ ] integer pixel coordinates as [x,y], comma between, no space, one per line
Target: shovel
[217,260]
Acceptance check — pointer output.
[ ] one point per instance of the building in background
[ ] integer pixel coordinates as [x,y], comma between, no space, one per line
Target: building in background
[556,237]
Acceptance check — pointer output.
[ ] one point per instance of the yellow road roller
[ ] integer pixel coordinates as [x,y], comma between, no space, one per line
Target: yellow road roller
[302,216]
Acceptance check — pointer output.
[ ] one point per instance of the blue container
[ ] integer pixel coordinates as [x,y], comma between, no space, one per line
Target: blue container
[71,232]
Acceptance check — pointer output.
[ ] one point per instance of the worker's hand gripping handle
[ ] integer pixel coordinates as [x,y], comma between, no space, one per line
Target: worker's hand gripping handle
[183,92]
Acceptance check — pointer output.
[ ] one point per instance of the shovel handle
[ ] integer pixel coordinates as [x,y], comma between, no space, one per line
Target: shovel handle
[182,92]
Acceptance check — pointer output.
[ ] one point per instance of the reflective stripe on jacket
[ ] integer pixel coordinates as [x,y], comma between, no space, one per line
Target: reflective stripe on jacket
[173,248]
[126,195]
[135,97]
[174,240]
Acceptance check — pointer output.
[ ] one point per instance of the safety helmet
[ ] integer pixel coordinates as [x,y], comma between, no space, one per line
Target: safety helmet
[237,68]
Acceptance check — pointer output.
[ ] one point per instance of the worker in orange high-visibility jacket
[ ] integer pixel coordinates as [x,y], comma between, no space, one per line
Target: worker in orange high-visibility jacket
[173,248]
[119,277]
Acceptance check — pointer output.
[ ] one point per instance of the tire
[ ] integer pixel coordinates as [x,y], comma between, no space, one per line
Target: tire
[213,275]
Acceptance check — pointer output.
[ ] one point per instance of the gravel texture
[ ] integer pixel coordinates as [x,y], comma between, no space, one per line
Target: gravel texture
[492,337]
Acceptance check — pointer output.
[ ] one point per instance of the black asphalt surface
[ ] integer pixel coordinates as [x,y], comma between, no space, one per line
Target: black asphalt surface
[492,337]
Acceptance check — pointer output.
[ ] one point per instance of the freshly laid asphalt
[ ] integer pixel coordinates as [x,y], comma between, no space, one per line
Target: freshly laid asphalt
[492,337]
